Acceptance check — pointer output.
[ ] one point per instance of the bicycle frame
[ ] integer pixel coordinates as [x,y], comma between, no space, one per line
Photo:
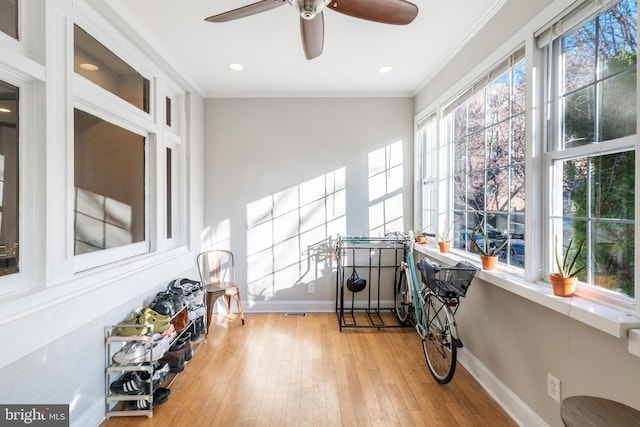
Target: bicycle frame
[419,294]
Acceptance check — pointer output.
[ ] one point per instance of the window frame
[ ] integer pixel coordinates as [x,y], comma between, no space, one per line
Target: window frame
[555,152]
[497,70]
[94,99]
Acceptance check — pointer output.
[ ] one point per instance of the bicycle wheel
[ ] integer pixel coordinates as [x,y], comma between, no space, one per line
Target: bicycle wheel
[402,297]
[438,346]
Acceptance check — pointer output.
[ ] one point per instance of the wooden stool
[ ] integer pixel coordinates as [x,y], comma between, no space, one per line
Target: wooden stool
[588,411]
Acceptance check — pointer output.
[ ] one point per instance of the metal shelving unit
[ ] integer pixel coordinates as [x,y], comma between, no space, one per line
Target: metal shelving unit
[116,402]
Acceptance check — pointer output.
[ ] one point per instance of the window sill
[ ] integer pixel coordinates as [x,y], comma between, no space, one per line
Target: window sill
[611,320]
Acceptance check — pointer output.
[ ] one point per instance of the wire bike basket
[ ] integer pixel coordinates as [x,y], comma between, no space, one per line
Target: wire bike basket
[447,282]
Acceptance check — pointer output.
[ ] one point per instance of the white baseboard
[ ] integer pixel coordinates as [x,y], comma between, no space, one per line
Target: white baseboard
[290,306]
[512,404]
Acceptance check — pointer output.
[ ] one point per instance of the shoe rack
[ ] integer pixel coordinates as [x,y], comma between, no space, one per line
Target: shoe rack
[118,404]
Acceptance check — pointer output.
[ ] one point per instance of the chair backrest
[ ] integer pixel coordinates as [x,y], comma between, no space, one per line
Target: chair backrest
[216,265]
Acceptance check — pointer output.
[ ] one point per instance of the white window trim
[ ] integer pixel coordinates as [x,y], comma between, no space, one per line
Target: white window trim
[582,13]
[533,285]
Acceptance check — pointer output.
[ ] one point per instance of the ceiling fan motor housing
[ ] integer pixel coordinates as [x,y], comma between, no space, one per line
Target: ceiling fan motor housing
[309,8]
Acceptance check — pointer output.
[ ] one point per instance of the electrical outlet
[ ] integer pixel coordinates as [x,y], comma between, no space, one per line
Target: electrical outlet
[311,288]
[553,387]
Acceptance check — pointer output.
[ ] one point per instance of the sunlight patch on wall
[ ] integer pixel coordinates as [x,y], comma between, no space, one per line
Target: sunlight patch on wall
[289,235]
[386,174]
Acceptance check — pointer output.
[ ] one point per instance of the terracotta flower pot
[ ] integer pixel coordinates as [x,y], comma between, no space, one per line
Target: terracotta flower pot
[421,239]
[489,262]
[444,247]
[563,286]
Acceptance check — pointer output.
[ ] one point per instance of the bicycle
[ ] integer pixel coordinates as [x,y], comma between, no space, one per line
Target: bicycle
[431,307]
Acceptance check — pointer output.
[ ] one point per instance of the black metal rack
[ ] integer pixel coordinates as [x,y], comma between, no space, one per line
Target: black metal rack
[375,259]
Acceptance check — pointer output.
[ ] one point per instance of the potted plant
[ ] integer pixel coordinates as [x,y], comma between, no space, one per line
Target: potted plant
[565,280]
[444,238]
[420,236]
[488,252]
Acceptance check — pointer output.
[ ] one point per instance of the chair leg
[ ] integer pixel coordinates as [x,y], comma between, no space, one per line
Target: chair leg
[240,307]
[210,302]
[227,301]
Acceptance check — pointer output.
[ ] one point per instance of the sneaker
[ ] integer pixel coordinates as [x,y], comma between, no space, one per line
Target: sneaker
[132,327]
[134,352]
[160,375]
[160,345]
[160,396]
[149,312]
[195,311]
[128,383]
[160,323]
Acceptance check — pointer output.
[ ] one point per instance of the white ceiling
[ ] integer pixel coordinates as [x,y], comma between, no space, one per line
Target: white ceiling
[268,45]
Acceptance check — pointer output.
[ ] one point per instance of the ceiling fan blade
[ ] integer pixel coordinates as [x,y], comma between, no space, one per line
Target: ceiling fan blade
[397,12]
[251,9]
[312,32]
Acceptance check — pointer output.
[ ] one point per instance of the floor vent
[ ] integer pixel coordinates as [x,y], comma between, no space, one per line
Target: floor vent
[295,314]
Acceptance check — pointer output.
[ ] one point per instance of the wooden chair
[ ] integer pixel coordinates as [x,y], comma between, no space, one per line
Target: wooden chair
[218,277]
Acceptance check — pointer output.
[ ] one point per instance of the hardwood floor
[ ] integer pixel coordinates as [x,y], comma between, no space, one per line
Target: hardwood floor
[290,371]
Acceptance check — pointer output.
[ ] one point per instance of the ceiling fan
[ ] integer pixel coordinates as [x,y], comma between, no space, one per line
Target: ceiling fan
[397,12]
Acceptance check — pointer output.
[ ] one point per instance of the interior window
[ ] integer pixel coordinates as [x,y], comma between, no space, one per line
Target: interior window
[95,62]
[109,185]
[9,180]
[9,17]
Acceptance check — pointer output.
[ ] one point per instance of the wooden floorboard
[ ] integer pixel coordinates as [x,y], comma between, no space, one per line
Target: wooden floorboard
[302,371]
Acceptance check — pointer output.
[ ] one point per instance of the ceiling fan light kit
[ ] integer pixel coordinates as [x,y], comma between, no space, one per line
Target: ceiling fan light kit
[395,12]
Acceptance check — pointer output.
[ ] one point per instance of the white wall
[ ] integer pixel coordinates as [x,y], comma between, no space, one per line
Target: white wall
[265,160]
[52,327]
[512,343]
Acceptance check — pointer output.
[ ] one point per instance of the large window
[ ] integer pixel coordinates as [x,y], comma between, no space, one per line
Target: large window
[486,130]
[109,185]
[9,182]
[591,152]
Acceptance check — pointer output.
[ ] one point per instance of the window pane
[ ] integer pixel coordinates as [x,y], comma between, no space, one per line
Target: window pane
[498,145]
[9,180]
[476,113]
[612,192]
[497,189]
[617,42]
[579,53]
[169,173]
[109,167]
[618,106]
[518,140]
[579,117]
[459,191]
[517,190]
[519,89]
[9,17]
[167,108]
[95,62]
[613,256]
[574,188]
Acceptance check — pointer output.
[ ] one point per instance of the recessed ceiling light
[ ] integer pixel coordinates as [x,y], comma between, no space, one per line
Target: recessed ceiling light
[236,67]
[5,110]
[89,67]
[385,69]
